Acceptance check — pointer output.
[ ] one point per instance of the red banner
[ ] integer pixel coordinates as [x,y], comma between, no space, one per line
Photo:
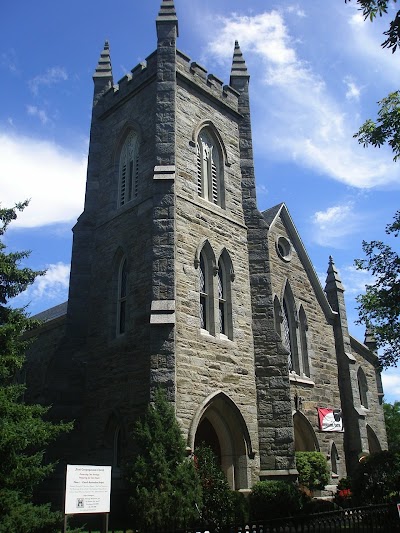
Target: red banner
[330,419]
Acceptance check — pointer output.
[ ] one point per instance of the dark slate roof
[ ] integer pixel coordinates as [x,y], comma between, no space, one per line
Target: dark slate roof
[270,214]
[52,313]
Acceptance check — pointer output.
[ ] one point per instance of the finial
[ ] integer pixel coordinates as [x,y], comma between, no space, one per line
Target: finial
[333,279]
[104,69]
[239,67]
[167,13]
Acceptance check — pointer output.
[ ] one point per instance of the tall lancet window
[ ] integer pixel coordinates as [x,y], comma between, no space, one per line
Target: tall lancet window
[122,293]
[222,311]
[204,296]
[208,168]
[129,169]
[286,335]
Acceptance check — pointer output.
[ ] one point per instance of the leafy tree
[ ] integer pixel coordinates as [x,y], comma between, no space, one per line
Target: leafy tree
[386,129]
[313,470]
[379,307]
[392,421]
[377,479]
[218,500]
[165,490]
[24,432]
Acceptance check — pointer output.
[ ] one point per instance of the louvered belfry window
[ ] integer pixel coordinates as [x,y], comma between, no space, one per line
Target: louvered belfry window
[208,168]
[129,169]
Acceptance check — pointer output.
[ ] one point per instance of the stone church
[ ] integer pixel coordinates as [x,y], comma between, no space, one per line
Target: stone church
[179,281]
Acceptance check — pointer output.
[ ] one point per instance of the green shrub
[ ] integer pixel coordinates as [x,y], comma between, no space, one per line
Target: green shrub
[377,479]
[274,499]
[240,508]
[313,470]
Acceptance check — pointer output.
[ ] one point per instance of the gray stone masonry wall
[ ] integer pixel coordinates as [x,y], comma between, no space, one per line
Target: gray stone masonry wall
[322,390]
[205,363]
[275,424]
[355,436]
[373,416]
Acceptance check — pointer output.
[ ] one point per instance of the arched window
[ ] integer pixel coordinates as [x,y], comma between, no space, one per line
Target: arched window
[362,387]
[116,463]
[204,295]
[206,288]
[334,461]
[303,342]
[129,169]
[277,316]
[289,333]
[224,278]
[209,167]
[122,293]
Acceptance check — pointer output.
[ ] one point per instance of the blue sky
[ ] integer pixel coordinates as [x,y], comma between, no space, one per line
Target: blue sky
[316,75]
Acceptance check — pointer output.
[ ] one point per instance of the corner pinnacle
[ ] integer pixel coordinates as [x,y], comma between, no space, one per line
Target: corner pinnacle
[104,69]
[239,67]
[333,281]
[167,13]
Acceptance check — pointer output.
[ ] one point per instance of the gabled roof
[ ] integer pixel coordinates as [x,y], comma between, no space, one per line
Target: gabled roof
[281,211]
[51,314]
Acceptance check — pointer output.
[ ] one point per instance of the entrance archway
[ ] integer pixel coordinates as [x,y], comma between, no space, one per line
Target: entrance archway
[305,439]
[220,425]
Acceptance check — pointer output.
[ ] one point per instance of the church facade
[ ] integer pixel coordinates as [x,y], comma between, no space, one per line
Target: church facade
[179,281]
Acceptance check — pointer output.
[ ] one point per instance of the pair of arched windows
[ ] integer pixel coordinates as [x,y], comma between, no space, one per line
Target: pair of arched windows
[215,292]
[129,169]
[292,328]
[209,167]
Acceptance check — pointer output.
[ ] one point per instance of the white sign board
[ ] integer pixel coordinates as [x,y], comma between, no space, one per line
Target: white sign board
[87,489]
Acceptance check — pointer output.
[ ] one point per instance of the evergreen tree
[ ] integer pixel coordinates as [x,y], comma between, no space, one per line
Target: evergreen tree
[218,500]
[164,487]
[24,433]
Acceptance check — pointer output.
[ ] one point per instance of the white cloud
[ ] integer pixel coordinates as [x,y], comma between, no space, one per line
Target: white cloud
[391,385]
[299,117]
[54,282]
[353,91]
[332,226]
[355,280]
[9,61]
[50,77]
[36,112]
[53,178]
[48,289]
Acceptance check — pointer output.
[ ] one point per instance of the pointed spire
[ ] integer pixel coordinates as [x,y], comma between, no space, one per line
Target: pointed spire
[333,281]
[167,14]
[239,67]
[104,69]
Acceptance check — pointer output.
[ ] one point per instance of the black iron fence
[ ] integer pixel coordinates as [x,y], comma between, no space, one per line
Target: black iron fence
[377,518]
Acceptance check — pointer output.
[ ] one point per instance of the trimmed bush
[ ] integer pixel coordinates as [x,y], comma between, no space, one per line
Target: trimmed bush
[313,470]
[274,499]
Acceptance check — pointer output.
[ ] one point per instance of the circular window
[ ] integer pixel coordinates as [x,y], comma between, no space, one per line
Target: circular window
[284,248]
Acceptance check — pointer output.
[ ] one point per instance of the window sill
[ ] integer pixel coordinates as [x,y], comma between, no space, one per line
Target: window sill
[304,380]
[220,339]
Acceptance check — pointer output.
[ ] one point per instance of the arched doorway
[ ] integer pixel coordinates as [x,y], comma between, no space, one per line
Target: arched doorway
[373,441]
[305,439]
[220,425]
